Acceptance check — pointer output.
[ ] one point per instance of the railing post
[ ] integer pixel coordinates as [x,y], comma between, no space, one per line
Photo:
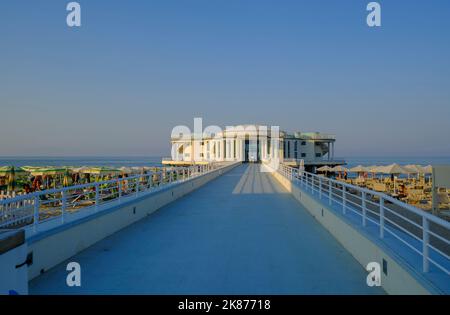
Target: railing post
[120,189]
[363,208]
[97,195]
[36,213]
[344,199]
[312,185]
[425,242]
[330,192]
[381,217]
[137,185]
[63,205]
[320,187]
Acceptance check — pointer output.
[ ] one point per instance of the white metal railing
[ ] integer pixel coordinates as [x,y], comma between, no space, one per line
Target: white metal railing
[426,235]
[51,204]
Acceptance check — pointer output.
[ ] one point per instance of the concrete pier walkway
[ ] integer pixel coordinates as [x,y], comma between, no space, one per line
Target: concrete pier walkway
[239,234]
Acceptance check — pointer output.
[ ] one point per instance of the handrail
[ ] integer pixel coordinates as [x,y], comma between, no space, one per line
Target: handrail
[27,209]
[396,219]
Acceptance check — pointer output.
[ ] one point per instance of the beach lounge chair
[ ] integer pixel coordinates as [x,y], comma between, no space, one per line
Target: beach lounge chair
[380,187]
[443,200]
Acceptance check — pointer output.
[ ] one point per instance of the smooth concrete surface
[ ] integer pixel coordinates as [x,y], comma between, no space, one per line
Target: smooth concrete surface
[242,233]
[54,242]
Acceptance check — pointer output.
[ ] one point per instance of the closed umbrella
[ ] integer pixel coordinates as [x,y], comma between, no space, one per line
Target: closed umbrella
[302,165]
[11,180]
[10,172]
[66,178]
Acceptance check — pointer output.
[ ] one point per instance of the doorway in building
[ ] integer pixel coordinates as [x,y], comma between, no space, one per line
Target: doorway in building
[251,151]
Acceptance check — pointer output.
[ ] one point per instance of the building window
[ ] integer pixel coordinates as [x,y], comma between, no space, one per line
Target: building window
[318,154]
[295,149]
[289,149]
[303,154]
[303,142]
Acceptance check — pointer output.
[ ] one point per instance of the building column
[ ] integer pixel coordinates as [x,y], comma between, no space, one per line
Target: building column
[264,147]
[332,151]
[239,149]
[232,144]
[227,149]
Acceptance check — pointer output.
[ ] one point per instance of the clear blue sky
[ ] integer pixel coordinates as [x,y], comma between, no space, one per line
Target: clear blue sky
[135,69]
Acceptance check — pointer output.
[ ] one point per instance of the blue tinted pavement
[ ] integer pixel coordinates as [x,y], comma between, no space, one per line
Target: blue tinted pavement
[239,234]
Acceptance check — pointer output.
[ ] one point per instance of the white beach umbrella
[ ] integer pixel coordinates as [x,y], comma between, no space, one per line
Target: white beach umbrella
[394,169]
[325,168]
[339,168]
[79,169]
[414,169]
[359,169]
[427,169]
[373,169]
[126,170]
[302,165]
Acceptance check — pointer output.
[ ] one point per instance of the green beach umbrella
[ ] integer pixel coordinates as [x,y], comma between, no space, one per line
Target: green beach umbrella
[6,170]
[101,171]
[46,171]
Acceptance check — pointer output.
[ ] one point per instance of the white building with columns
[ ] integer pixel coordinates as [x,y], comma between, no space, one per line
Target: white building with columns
[253,143]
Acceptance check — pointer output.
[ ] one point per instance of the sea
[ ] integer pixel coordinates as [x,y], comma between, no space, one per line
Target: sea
[81,161]
[156,161]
